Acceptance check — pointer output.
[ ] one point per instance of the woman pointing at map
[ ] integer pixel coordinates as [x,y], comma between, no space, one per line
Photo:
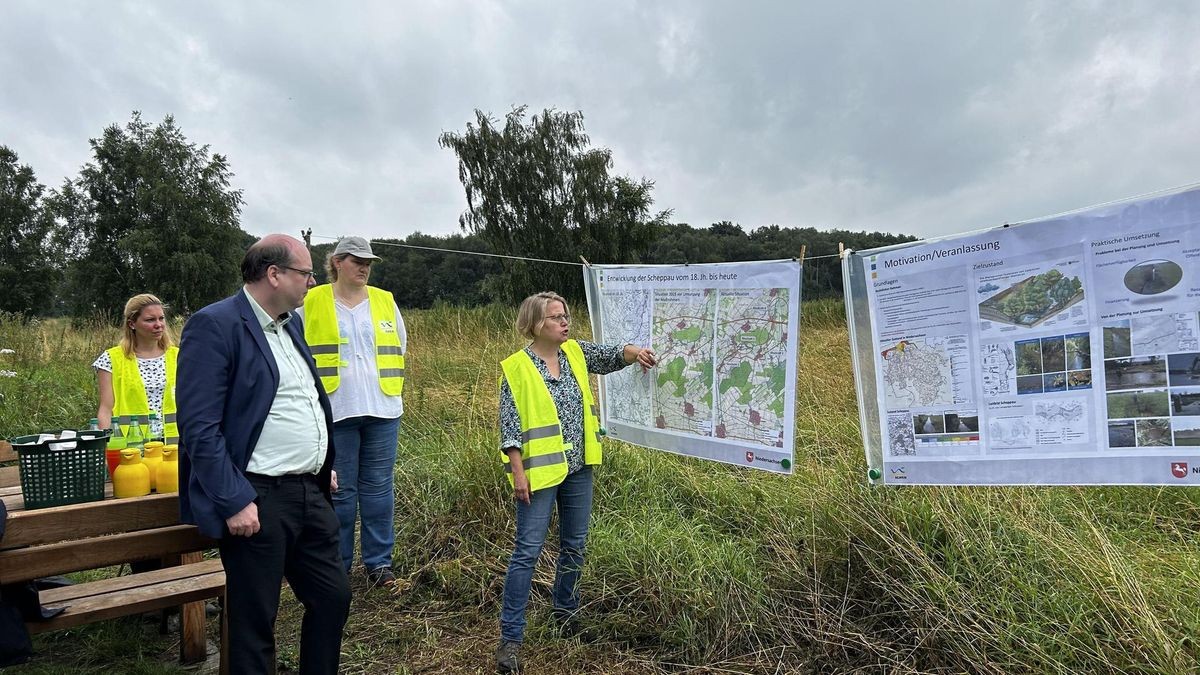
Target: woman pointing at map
[549,442]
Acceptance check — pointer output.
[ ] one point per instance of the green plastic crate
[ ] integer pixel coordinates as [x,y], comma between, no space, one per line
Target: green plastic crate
[58,477]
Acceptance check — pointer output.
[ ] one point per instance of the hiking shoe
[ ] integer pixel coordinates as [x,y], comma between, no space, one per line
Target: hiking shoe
[566,623]
[381,577]
[506,657]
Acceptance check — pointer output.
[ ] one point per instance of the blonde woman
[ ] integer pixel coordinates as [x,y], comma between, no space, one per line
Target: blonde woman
[137,376]
[549,442]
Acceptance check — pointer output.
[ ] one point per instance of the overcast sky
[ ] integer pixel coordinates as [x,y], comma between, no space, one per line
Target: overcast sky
[927,118]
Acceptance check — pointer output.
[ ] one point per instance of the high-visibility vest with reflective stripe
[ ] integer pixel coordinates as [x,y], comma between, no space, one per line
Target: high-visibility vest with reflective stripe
[129,392]
[543,451]
[324,340]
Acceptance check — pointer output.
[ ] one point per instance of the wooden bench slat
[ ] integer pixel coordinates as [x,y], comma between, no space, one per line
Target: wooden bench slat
[7,454]
[145,598]
[90,519]
[23,564]
[74,593]
[13,502]
[10,476]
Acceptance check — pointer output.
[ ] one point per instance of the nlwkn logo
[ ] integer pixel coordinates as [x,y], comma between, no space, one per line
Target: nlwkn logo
[1179,469]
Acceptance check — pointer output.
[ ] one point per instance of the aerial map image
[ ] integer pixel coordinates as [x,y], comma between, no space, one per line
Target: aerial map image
[1033,300]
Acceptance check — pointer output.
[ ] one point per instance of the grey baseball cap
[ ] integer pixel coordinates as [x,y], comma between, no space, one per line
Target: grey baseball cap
[355,246]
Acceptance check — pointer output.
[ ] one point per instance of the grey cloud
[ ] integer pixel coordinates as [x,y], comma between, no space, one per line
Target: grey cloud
[926,118]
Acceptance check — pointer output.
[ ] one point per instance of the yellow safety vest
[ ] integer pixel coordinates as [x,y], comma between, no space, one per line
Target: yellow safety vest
[129,392]
[324,341]
[543,451]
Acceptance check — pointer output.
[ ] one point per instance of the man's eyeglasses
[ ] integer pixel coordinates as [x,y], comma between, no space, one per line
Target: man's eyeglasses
[309,274]
[559,318]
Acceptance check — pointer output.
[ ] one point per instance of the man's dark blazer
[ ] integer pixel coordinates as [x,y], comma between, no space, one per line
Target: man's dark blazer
[226,380]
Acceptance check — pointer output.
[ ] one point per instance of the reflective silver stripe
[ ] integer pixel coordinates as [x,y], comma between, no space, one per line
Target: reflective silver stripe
[596,410]
[123,419]
[169,418]
[388,350]
[535,433]
[172,440]
[391,372]
[541,460]
[323,349]
[327,372]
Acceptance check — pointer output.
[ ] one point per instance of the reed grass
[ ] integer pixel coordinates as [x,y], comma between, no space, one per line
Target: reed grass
[699,567]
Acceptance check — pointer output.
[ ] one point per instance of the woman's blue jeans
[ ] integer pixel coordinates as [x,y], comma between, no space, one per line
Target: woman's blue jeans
[574,499]
[365,461]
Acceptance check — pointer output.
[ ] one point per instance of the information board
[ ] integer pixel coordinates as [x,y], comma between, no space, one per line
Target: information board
[1058,351]
[725,336]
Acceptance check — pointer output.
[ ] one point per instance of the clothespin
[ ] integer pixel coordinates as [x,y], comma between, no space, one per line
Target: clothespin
[803,249]
[585,262]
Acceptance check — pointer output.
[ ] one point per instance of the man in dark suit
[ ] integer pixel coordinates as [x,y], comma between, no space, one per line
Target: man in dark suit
[255,467]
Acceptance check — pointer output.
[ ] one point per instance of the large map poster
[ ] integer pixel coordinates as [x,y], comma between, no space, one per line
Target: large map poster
[726,338]
[1057,351]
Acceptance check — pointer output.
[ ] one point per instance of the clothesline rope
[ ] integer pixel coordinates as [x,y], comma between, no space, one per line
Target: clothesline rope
[497,255]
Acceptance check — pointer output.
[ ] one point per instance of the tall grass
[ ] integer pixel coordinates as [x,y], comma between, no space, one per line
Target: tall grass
[694,563]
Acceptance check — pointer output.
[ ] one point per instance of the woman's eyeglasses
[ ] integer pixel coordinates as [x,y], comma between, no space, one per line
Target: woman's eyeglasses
[559,318]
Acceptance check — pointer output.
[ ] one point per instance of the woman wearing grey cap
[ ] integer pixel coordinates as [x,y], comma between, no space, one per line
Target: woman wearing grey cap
[357,337]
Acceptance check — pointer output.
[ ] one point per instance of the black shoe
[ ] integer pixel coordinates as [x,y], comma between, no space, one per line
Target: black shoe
[506,657]
[566,623]
[381,577]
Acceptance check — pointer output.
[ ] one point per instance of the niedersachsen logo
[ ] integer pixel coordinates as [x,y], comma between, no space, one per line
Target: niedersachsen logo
[783,462]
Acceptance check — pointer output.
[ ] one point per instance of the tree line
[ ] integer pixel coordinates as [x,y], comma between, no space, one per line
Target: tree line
[152,211]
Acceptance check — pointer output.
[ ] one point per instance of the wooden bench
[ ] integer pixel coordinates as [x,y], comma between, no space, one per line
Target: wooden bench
[78,537]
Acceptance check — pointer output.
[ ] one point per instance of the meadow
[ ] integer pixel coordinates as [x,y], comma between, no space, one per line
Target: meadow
[702,568]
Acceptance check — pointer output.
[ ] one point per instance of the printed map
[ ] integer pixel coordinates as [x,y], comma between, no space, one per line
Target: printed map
[999,364]
[682,336]
[751,364]
[1067,411]
[725,337]
[900,435]
[919,373]
[1164,333]
[1010,432]
[626,317]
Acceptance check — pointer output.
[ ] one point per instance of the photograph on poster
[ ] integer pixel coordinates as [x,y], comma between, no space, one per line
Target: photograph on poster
[929,424]
[1116,341]
[1121,434]
[1079,379]
[1029,357]
[1151,403]
[1054,357]
[962,422]
[1135,372]
[1153,432]
[1186,430]
[1185,401]
[1184,369]
[1153,277]
[1079,351]
[1052,382]
[1029,384]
